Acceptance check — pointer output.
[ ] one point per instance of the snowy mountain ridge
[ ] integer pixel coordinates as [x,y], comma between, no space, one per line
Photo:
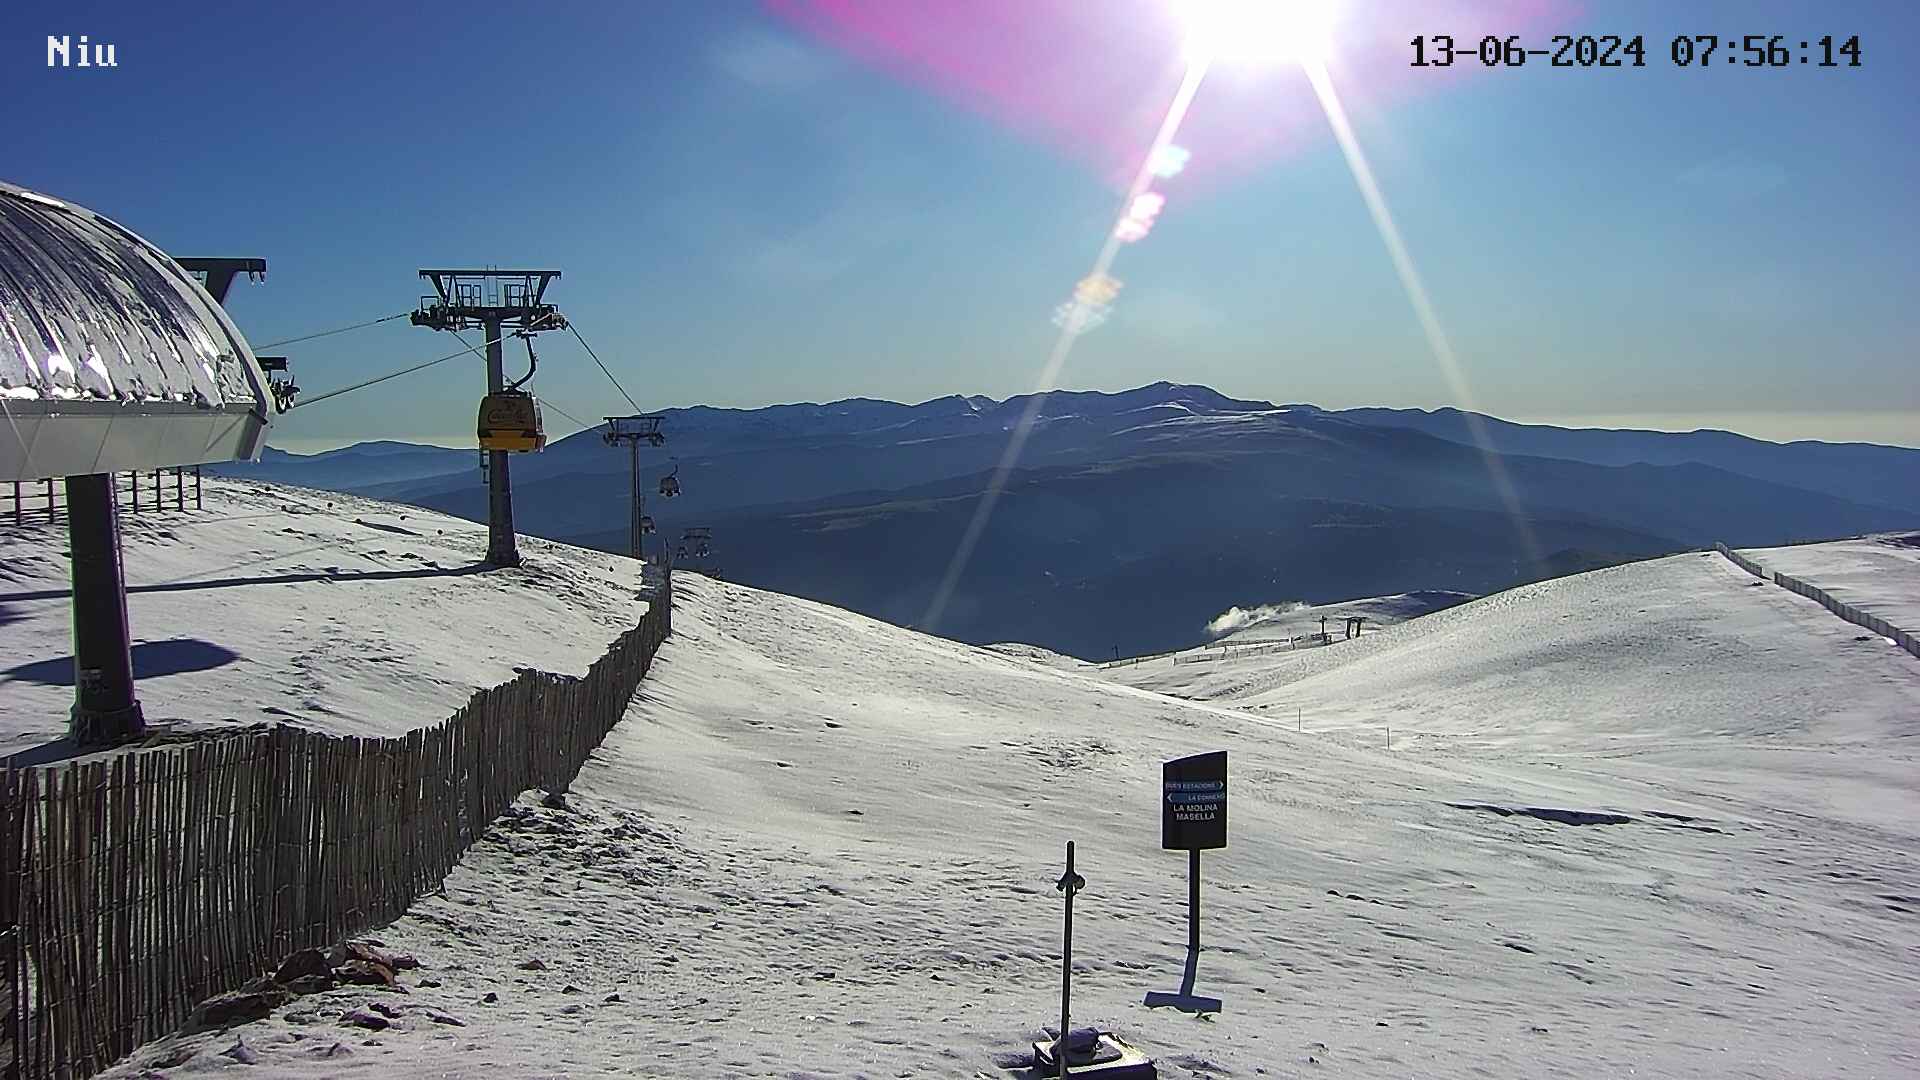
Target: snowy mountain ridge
[1179,499]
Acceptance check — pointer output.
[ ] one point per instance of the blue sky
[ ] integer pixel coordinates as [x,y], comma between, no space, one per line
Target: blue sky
[746,214]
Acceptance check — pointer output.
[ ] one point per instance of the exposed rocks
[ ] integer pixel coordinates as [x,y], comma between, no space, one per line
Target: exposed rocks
[313,984]
[365,1018]
[371,952]
[304,971]
[303,963]
[366,973]
[238,1007]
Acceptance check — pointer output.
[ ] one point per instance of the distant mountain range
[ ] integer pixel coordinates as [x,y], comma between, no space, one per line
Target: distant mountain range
[1863,472]
[1134,518]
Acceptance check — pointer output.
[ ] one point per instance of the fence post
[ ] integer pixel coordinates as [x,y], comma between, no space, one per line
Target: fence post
[12,969]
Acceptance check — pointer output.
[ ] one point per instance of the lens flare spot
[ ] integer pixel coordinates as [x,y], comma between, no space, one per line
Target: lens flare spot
[1147,206]
[1097,289]
[1168,161]
[1075,317]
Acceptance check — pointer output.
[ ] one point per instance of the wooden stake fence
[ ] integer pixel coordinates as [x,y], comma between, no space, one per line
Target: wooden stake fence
[135,886]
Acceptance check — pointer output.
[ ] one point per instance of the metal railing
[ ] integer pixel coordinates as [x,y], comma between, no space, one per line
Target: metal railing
[27,501]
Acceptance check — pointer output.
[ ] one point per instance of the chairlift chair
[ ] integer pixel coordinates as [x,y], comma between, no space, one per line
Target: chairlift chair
[670,483]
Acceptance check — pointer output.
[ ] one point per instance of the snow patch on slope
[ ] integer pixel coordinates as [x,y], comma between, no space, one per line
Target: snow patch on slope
[821,845]
[332,611]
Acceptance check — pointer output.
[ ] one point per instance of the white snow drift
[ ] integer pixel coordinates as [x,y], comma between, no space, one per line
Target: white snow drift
[282,603]
[819,845]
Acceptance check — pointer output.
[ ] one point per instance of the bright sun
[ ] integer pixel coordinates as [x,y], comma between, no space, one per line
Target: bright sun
[1257,32]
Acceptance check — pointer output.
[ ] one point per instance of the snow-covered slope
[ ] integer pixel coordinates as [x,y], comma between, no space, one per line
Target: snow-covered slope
[1283,622]
[1877,574]
[820,845]
[1686,646]
[1037,655]
[282,603]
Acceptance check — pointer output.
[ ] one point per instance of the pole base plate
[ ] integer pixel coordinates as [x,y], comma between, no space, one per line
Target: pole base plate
[106,727]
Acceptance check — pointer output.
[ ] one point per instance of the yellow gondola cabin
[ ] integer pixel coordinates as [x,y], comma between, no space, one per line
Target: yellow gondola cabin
[510,420]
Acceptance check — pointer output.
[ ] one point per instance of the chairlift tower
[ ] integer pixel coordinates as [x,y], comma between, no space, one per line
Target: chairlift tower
[496,302]
[631,431]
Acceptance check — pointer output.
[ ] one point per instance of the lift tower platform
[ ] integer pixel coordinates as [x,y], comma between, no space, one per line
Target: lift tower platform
[497,302]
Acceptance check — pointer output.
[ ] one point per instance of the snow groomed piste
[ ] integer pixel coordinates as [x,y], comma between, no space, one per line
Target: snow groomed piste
[819,838]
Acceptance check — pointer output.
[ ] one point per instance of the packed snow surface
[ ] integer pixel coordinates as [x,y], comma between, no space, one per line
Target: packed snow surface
[1282,622]
[1880,575]
[1650,821]
[287,604]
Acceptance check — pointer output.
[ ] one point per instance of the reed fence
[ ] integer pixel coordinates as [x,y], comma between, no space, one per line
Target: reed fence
[1742,562]
[1905,639]
[134,886]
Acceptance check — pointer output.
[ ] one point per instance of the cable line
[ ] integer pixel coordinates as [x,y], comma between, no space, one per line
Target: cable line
[327,333]
[384,378]
[603,367]
[547,403]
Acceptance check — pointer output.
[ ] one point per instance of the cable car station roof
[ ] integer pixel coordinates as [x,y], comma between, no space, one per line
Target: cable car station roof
[111,356]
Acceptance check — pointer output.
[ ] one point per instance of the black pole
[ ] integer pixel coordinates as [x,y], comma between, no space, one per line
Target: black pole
[633,496]
[104,707]
[501,549]
[1068,885]
[1193,903]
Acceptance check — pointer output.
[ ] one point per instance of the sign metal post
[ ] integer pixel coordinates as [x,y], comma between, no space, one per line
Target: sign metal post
[1193,818]
[1068,884]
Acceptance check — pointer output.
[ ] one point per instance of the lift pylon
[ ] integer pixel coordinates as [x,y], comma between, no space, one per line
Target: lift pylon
[497,302]
[631,431]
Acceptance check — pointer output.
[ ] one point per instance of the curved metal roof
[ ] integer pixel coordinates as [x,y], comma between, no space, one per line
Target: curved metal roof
[112,356]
